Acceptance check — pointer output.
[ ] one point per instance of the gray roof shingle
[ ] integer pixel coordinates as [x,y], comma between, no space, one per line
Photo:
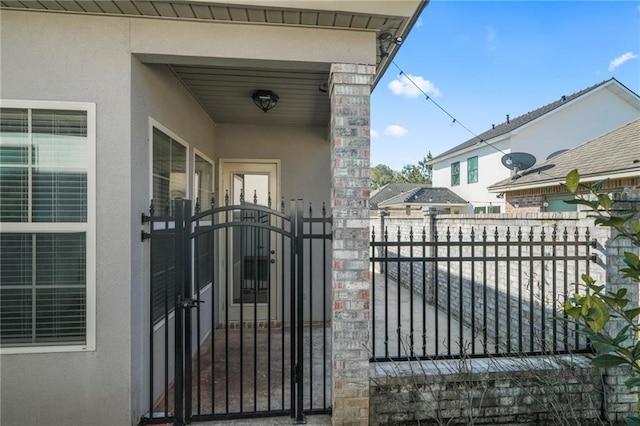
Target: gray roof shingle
[424,195]
[523,119]
[615,152]
[391,190]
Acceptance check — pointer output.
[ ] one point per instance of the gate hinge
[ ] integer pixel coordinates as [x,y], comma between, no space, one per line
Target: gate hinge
[144,235]
[145,218]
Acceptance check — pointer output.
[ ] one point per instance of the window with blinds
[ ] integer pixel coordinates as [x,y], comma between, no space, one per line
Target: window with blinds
[169,181]
[43,222]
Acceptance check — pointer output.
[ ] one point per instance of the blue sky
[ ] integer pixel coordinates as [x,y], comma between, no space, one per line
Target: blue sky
[481,60]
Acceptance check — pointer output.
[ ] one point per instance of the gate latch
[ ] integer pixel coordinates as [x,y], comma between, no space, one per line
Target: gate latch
[189,303]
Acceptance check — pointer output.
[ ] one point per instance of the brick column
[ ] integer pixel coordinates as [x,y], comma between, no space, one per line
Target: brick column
[620,401]
[350,87]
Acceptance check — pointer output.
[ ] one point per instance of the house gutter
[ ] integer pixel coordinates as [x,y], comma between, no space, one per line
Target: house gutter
[384,64]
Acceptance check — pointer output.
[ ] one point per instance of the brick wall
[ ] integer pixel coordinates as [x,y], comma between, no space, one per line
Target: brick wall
[534,390]
[532,200]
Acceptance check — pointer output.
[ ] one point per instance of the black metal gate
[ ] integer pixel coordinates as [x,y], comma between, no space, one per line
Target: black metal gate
[234,328]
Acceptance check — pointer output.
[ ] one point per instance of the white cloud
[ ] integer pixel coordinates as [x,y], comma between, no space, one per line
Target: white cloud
[404,86]
[621,60]
[419,22]
[374,133]
[395,131]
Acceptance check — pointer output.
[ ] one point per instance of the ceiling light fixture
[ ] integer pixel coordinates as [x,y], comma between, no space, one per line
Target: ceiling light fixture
[265,99]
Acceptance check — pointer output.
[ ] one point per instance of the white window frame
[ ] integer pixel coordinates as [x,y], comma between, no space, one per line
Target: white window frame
[154,123]
[88,227]
[213,178]
[203,207]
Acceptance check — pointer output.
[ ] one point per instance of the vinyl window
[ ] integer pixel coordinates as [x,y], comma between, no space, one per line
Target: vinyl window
[455,173]
[472,170]
[47,222]
[169,181]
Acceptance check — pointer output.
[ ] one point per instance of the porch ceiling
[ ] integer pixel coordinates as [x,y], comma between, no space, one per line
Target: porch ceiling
[225,93]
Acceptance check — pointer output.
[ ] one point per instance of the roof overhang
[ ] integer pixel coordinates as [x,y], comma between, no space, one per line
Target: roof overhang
[491,143]
[396,17]
[513,185]
[295,43]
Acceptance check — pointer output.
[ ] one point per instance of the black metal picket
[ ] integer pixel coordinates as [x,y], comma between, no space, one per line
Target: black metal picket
[233,281]
[476,295]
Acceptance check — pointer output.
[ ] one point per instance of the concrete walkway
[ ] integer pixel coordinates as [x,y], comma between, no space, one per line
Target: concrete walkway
[406,323]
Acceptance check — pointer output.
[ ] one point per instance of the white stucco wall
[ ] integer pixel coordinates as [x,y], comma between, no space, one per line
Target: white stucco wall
[65,58]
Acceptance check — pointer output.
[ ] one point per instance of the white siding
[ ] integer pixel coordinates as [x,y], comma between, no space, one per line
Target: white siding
[566,127]
[490,170]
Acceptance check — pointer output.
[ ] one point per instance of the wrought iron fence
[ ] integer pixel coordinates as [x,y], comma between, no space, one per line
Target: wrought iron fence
[481,294]
[239,311]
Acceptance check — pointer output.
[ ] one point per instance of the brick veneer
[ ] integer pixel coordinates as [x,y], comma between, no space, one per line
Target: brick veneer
[350,87]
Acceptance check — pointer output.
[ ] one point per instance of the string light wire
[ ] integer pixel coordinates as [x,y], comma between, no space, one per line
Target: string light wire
[454,120]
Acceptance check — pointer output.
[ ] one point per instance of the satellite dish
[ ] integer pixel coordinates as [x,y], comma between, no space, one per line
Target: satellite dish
[555,154]
[518,161]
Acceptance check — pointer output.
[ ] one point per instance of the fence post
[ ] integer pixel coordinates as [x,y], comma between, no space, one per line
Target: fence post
[178,327]
[381,214]
[431,272]
[620,401]
[299,314]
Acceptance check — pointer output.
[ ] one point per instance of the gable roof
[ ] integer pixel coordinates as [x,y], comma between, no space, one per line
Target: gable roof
[391,190]
[617,153]
[430,196]
[506,127]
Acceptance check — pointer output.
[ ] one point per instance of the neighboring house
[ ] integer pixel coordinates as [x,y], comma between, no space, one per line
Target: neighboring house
[410,199]
[614,156]
[469,168]
[107,105]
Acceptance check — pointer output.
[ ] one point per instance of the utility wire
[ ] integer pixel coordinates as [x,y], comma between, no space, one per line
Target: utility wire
[455,120]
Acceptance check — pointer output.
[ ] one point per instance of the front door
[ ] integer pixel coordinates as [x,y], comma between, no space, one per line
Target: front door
[250,269]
